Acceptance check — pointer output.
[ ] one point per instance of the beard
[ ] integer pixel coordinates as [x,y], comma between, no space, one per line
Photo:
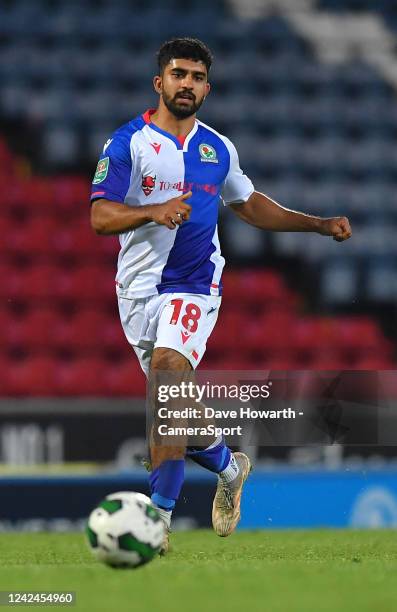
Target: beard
[181,111]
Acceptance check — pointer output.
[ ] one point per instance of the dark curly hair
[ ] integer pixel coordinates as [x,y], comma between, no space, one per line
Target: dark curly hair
[184,48]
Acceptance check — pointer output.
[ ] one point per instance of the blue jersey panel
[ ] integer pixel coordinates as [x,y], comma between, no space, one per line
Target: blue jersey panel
[113,175]
[189,267]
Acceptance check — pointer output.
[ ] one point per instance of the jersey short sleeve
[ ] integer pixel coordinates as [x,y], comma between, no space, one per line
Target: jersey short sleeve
[237,186]
[113,173]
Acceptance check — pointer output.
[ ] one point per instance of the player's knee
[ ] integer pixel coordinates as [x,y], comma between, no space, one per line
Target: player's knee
[160,454]
[168,360]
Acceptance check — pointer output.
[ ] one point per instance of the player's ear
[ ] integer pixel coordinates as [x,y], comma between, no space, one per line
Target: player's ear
[157,84]
[207,89]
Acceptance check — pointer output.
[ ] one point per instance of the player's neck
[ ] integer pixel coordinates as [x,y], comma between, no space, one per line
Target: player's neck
[169,123]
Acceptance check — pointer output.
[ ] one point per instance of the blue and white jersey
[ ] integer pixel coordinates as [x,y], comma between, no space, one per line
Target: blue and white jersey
[142,164]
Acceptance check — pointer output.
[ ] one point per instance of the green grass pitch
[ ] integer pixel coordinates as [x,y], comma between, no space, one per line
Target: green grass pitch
[274,571]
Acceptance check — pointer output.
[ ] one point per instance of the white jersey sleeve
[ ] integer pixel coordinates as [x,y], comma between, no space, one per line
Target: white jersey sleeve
[237,186]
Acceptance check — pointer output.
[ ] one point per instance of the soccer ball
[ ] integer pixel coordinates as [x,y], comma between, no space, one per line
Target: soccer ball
[125,530]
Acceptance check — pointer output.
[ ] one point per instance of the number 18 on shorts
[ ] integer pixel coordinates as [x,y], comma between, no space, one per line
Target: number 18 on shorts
[180,321]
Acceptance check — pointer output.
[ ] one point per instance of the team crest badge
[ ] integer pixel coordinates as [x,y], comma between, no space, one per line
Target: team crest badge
[101,171]
[208,153]
[148,184]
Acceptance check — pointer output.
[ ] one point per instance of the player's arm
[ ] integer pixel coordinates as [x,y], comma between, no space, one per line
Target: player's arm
[114,218]
[263,212]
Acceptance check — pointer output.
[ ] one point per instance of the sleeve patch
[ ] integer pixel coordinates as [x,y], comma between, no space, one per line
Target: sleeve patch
[101,171]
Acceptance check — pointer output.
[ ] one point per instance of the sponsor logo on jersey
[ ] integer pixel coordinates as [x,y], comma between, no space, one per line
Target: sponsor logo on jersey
[156,146]
[148,184]
[188,186]
[101,171]
[207,153]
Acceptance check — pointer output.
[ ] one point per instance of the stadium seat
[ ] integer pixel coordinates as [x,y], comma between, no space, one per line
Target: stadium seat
[229,332]
[12,286]
[339,281]
[41,196]
[318,136]
[113,340]
[32,239]
[32,376]
[269,335]
[39,283]
[81,334]
[311,334]
[11,336]
[256,288]
[6,230]
[71,195]
[34,332]
[361,334]
[124,379]
[78,241]
[83,376]
[373,363]
[90,284]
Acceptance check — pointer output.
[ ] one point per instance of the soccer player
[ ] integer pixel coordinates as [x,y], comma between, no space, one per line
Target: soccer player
[158,184]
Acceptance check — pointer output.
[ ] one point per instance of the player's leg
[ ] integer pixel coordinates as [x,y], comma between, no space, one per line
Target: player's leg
[167,460]
[185,324]
[139,319]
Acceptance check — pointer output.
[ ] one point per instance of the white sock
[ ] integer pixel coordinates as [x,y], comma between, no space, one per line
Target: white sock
[165,515]
[230,473]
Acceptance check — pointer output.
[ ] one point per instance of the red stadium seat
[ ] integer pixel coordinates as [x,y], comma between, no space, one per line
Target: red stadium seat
[125,379]
[34,376]
[228,334]
[6,367]
[90,284]
[311,334]
[34,195]
[327,359]
[12,285]
[277,364]
[78,241]
[83,376]
[7,227]
[35,331]
[360,334]
[41,197]
[82,333]
[270,333]
[257,288]
[113,340]
[373,362]
[109,246]
[33,238]
[72,195]
[234,362]
[40,283]
[10,334]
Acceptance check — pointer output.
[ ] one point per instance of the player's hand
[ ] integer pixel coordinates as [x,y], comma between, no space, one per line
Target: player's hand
[173,212]
[338,227]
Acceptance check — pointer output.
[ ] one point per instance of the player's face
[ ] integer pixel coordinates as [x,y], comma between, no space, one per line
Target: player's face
[183,87]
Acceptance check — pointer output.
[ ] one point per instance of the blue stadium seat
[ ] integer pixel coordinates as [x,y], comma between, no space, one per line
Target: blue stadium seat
[381,282]
[339,280]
